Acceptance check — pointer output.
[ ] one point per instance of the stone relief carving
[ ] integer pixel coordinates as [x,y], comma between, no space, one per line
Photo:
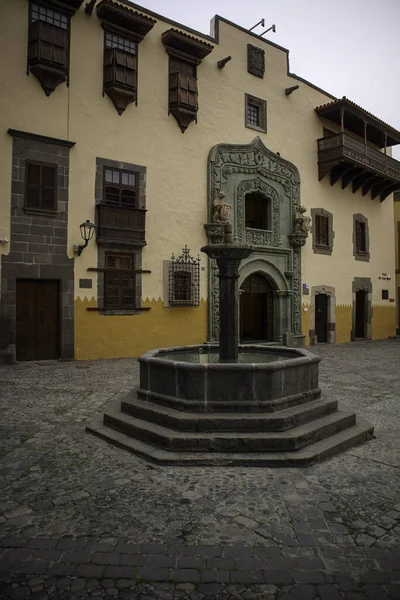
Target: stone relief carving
[255,61]
[303,222]
[255,159]
[222,210]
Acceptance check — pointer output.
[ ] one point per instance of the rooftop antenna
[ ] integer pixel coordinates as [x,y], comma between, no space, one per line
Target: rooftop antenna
[273,27]
[262,23]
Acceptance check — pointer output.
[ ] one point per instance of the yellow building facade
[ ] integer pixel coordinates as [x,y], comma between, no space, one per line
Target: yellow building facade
[115,115]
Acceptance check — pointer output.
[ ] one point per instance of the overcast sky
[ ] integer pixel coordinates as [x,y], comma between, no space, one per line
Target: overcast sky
[347,47]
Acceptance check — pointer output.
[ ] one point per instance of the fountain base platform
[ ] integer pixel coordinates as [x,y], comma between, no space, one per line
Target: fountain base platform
[191,410]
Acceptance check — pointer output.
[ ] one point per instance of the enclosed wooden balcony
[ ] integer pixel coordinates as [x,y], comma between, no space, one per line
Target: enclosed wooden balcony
[362,163]
[356,163]
[121,225]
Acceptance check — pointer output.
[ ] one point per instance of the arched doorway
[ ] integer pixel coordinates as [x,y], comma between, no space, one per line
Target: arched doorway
[256,309]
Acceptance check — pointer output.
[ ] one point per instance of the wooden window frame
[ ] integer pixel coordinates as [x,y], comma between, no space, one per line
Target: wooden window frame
[267,211]
[318,246]
[359,253]
[40,209]
[121,187]
[107,270]
[121,94]
[322,233]
[385,294]
[262,112]
[361,237]
[51,64]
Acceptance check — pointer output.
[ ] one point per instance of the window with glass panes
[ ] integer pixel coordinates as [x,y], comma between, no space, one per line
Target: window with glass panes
[41,186]
[361,242]
[322,230]
[120,188]
[48,15]
[119,282]
[253,114]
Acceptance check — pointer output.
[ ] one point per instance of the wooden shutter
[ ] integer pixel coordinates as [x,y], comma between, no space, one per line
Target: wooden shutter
[119,282]
[41,186]
[48,43]
[119,68]
[183,90]
[33,186]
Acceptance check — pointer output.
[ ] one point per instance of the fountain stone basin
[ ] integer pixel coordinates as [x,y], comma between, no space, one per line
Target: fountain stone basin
[265,378]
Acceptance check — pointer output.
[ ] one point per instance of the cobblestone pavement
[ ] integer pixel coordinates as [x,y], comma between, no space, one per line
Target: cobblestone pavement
[82,519]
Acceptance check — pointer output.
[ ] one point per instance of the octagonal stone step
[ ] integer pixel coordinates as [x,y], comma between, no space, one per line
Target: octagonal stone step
[239,422]
[360,432]
[203,441]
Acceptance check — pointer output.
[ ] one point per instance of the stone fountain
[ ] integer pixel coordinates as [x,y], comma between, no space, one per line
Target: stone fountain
[231,405]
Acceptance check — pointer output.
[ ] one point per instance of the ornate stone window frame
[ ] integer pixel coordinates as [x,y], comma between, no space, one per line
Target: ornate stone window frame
[319,248]
[358,255]
[262,106]
[331,293]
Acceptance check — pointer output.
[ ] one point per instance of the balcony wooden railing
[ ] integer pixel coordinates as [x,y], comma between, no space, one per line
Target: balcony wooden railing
[121,225]
[353,161]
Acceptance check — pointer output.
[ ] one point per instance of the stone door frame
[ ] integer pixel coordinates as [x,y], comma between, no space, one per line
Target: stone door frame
[265,171]
[331,293]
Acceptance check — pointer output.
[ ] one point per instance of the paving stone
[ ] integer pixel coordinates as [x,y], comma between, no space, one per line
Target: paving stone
[120,572]
[152,573]
[135,560]
[308,577]
[191,562]
[157,560]
[208,589]
[214,576]
[328,592]
[238,552]
[278,577]
[105,558]
[365,540]
[187,575]
[247,577]
[250,564]
[90,570]
[376,592]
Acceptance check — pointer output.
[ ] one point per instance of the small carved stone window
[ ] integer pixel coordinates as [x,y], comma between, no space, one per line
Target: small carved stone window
[119,279]
[120,188]
[256,113]
[360,238]
[257,211]
[183,280]
[41,186]
[322,231]
[183,91]
[120,70]
[48,46]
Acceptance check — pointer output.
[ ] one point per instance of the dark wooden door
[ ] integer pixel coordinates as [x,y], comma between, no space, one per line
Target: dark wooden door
[360,314]
[37,320]
[321,317]
[256,309]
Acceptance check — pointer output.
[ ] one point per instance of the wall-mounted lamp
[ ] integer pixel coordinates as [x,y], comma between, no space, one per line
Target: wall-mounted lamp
[385,277]
[89,7]
[262,23]
[273,28]
[4,240]
[87,232]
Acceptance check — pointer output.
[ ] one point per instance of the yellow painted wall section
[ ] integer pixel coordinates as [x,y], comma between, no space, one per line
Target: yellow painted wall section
[123,336]
[305,322]
[343,323]
[383,322]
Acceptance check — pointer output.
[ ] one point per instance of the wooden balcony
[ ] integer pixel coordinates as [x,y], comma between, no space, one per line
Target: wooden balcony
[353,162]
[121,226]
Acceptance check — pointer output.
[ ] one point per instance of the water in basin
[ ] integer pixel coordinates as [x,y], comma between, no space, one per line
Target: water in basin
[201,357]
